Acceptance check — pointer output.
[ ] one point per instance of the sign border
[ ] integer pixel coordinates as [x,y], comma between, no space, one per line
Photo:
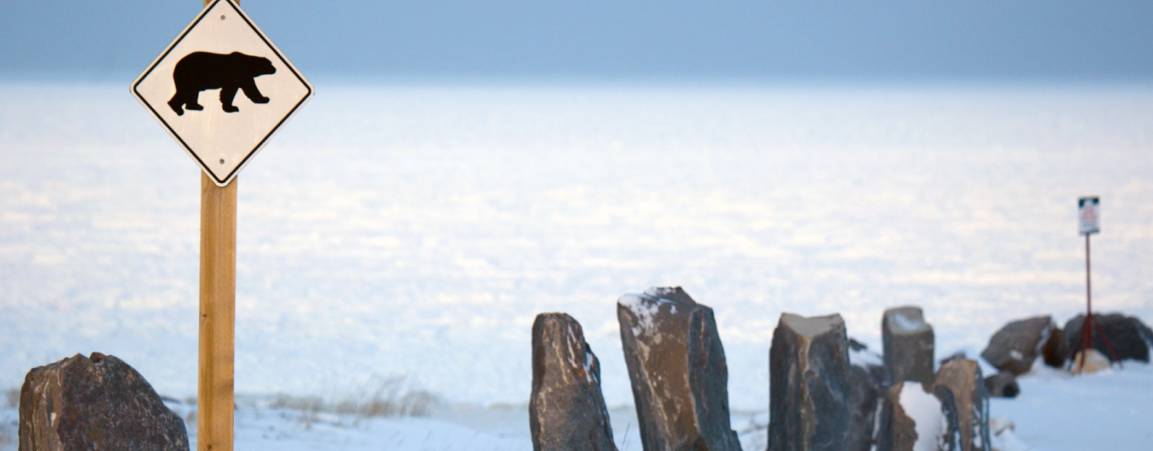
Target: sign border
[134,88]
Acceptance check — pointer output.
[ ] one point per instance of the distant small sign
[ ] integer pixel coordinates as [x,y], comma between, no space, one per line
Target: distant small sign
[1089,212]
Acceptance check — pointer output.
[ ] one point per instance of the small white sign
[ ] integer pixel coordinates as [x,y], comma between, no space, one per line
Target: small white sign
[1089,213]
[221,88]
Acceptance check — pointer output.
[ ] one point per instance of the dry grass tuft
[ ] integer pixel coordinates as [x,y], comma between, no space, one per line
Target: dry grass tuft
[390,399]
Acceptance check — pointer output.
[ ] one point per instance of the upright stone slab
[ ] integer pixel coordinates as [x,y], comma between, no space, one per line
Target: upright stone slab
[908,345]
[566,410]
[95,403]
[1017,344]
[809,385]
[677,367]
[961,389]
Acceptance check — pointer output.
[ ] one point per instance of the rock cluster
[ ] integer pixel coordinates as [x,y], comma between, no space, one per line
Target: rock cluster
[824,389]
[827,392]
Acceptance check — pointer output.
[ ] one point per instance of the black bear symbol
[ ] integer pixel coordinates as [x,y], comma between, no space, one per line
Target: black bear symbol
[199,71]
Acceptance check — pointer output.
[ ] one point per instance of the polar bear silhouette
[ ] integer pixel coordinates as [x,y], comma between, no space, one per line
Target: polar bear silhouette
[199,71]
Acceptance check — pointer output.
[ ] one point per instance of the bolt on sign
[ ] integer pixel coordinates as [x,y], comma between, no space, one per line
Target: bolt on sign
[221,88]
[1089,213]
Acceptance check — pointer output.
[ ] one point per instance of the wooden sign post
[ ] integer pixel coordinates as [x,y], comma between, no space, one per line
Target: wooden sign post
[217,315]
[220,55]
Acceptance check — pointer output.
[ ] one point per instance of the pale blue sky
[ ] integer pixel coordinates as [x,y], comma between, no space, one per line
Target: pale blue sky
[848,40]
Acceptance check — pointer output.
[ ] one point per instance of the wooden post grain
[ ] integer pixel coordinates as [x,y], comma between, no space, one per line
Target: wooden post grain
[217,315]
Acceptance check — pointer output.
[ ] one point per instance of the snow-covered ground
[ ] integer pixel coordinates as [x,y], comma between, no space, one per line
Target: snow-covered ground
[1058,411]
[415,231]
[1055,411]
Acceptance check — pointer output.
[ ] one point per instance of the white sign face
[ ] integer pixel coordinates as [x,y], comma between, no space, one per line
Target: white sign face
[1089,213]
[222,89]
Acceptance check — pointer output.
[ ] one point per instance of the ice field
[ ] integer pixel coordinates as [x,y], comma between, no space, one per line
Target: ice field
[414,231]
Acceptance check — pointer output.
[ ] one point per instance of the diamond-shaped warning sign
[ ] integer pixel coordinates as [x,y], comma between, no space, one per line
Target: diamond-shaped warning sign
[222,89]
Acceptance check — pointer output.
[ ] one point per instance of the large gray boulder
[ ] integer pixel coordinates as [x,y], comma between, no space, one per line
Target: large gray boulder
[908,345]
[678,371]
[811,386]
[1016,345]
[1130,337]
[95,403]
[566,410]
[961,389]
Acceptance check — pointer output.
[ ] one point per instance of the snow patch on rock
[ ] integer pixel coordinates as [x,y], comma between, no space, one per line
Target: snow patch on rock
[589,367]
[645,307]
[925,410]
[863,357]
[908,325]
[810,327]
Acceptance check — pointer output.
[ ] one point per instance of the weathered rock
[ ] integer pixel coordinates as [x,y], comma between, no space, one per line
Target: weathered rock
[908,345]
[678,371]
[1055,352]
[95,403]
[810,389]
[860,355]
[567,410]
[911,417]
[961,389]
[867,379]
[1002,385]
[1130,337]
[897,432]
[954,356]
[862,406]
[951,436]
[1016,345]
